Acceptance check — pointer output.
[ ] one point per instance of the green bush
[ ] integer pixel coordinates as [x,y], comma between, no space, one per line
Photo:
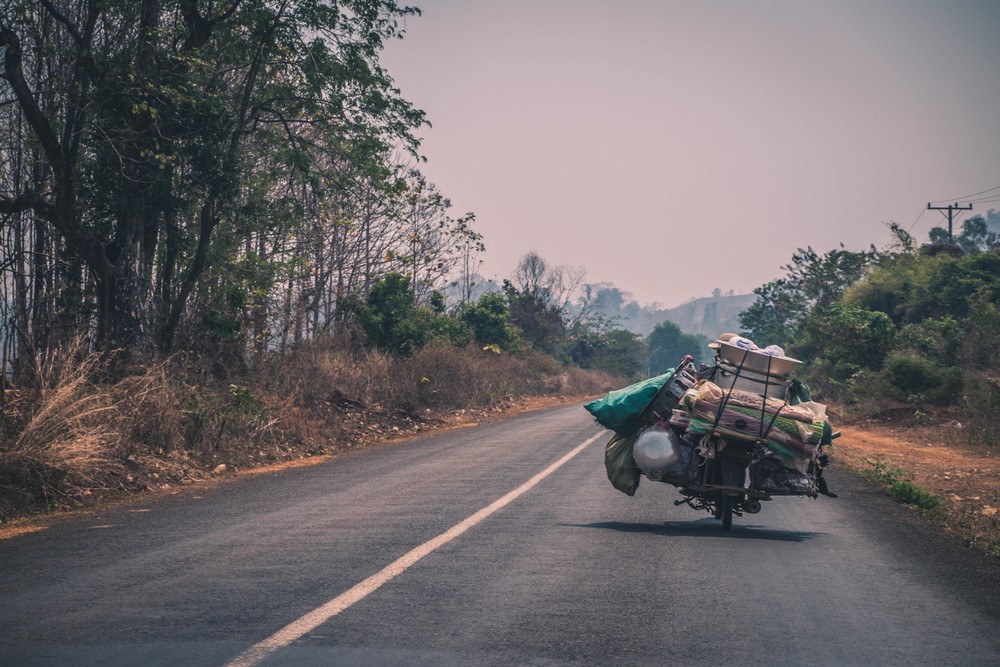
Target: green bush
[981,410]
[911,374]
[391,319]
[909,493]
[917,377]
[490,321]
[897,482]
[939,339]
[846,335]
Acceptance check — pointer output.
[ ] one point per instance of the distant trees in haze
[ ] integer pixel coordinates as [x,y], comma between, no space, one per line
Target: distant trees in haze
[668,344]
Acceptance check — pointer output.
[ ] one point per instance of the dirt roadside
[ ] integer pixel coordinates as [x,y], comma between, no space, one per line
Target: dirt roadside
[966,478]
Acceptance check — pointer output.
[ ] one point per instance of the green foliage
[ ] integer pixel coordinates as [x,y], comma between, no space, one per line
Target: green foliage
[917,325]
[539,320]
[393,323]
[391,320]
[813,282]
[192,134]
[668,344]
[451,329]
[618,352]
[858,337]
[909,493]
[981,347]
[919,378]
[956,282]
[491,322]
[438,302]
[900,487]
[939,340]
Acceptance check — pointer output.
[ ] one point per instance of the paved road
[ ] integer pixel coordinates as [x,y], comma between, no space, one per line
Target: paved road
[571,572]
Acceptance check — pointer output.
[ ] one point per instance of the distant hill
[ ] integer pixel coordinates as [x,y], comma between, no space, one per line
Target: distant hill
[707,316]
[710,315]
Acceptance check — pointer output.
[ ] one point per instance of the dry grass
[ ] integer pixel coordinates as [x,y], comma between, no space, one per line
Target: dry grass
[69,434]
[78,436]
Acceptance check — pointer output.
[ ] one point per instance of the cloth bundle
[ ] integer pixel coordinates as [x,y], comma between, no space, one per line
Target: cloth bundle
[793,431]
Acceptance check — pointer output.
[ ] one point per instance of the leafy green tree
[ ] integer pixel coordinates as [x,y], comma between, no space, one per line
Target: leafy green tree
[975,236]
[919,286]
[813,281]
[391,320]
[539,320]
[491,322]
[152,120]
[668,344]
[618,351]
[845,339]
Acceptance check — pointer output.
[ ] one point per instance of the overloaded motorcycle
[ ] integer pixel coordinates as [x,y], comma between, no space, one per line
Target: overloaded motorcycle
[729,435]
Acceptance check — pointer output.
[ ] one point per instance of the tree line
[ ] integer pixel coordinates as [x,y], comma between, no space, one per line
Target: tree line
[176,173]
[915,326]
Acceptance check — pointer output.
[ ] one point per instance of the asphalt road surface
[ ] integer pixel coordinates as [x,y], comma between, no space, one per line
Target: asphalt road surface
[317,566]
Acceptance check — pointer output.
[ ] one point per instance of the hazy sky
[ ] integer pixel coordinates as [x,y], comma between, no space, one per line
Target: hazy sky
[674,147]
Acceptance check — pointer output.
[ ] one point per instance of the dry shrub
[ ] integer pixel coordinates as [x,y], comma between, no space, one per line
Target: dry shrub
[441,376]
[69,436]
[438,376]
[78,429]
[448,378]
[148,412]
[324,371]
[586,382]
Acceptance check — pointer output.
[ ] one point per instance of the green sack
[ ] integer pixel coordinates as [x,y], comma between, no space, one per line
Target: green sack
[622,472]
[798,392]
[620,410]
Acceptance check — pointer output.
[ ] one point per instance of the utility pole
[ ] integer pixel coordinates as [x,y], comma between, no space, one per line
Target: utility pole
[950,208]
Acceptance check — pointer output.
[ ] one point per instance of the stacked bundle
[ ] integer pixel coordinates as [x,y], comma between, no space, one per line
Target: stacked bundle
[792,431]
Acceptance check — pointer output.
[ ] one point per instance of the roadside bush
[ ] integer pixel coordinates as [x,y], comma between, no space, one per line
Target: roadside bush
[66,436]
[848,335]
[981,344]
[440,375]
[78,432]
[147,410]
[916,376]
[391,320]
[939,340]
[899,485]
[981,410]
[491,322]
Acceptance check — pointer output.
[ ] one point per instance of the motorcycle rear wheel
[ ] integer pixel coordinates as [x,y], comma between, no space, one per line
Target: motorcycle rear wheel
[726,510]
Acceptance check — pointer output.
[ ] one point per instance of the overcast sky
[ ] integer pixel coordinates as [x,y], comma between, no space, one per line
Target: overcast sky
[673,147]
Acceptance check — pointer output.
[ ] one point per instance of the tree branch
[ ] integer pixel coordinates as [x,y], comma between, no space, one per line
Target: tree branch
[62,19]
[29,105]
[26,201]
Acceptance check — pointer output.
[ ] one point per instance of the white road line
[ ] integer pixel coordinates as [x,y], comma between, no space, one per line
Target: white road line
[320,615]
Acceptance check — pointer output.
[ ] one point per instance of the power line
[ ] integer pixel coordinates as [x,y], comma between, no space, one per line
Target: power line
[914,223]
[974,194]
[984,200]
